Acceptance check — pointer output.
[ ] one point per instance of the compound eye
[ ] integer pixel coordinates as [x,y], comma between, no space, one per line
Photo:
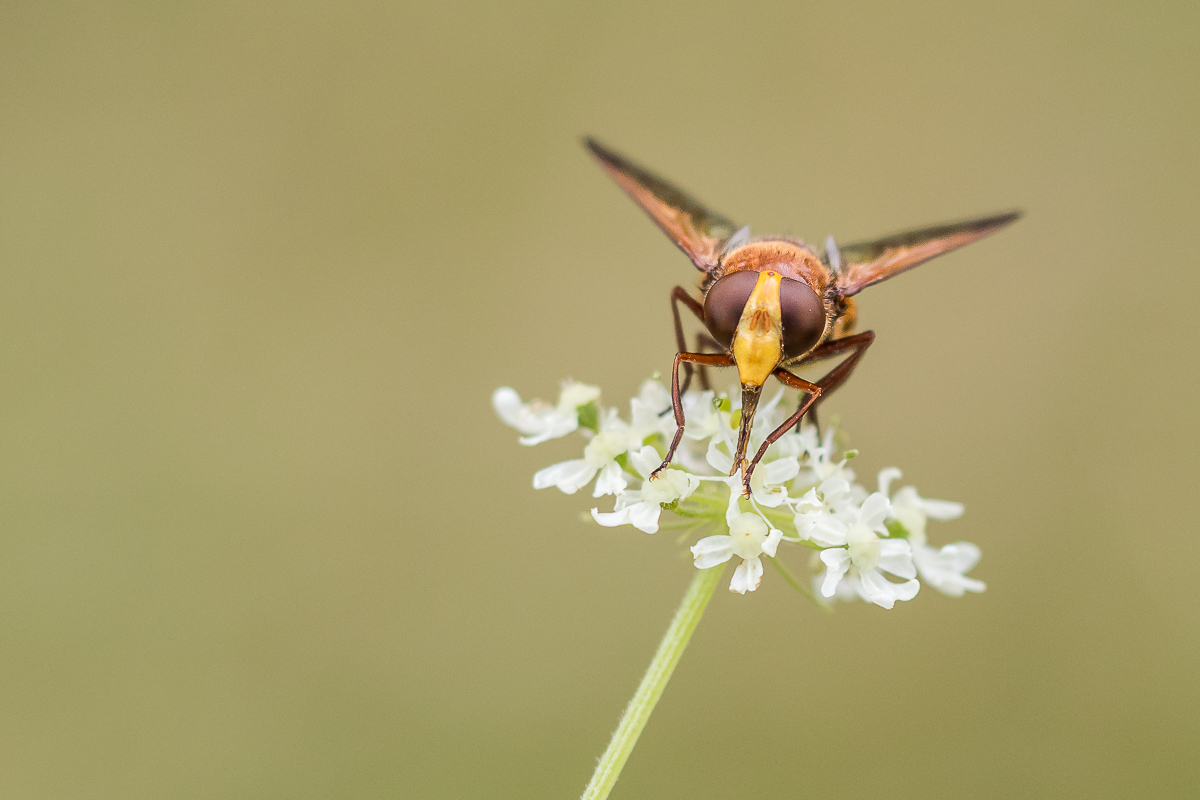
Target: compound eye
[803,316]
[724,303]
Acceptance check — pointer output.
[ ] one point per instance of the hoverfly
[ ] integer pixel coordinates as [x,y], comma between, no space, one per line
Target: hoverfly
[772,303]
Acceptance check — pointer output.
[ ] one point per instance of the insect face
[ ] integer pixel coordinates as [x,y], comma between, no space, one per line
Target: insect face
[801,310]
[758,341]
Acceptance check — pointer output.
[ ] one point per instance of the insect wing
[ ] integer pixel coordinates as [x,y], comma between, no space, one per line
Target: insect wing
[866,263]
[696,230]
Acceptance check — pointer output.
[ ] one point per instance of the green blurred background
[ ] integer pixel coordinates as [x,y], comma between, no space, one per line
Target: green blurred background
[261,535]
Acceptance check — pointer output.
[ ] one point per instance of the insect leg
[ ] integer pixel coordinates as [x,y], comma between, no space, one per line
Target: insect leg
[679,294]
[813,391]
[858,343]
[703,341]
[705,359]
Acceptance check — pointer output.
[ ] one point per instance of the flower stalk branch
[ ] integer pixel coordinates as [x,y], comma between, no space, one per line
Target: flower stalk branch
[637,713]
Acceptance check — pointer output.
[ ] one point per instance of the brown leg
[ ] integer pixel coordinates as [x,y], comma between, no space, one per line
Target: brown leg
[703,340]
[678,295]
[813,391]
[859,343]
[704,359]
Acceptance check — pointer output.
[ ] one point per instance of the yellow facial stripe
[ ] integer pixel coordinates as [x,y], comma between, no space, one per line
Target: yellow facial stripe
[757,344]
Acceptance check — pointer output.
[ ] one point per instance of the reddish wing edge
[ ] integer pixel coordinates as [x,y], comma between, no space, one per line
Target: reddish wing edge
[697,231]
[867,263]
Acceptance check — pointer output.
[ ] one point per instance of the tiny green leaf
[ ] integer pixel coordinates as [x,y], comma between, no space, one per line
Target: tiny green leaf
[849,454]
[896,530]
[721,403]
[589,417]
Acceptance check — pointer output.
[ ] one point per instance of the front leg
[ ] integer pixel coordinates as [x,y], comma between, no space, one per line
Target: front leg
[703,359]
[813,391]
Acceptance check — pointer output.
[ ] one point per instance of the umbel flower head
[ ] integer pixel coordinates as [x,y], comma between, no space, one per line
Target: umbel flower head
[866,545]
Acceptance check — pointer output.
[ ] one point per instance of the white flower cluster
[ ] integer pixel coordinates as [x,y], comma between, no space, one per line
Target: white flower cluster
[800,494]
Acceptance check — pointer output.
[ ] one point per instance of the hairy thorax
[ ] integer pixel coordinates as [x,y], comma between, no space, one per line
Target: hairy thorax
[791,259]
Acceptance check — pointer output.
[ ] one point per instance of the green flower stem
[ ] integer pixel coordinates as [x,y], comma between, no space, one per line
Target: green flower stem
[800,587]
[637,713]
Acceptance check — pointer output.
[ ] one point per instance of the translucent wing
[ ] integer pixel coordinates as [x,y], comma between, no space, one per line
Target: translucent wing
[696,230]
[865,263]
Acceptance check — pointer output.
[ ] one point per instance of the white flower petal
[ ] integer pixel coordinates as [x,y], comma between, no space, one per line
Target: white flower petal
[645,460]
[690,484]
[747,535]
[711,551]
[646,408]
[569,476]
[837,561]
[626,499]
[836,492]
[771,497]
[508,406]
[972,584]
[575,394]
[719,460]
[644,516]
[781,470]
[882,592]
[849,589]
[810,503]
[749,523]
[605,447]
[895,556]
[907,498]
[766,483]
[654,395]
[875,510]
[611,422]
[747,576]
[554,426]
[941,510]
[827,531]
[805,521]
[612,519]
[963,555]
[907,590]
[701,418]
[943,569]
[711,544]
[772,543]
[535,419]
[668,486]
[873,588]
[769,407]
[886,476]
[789,446]
[611,481]
[733,509]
